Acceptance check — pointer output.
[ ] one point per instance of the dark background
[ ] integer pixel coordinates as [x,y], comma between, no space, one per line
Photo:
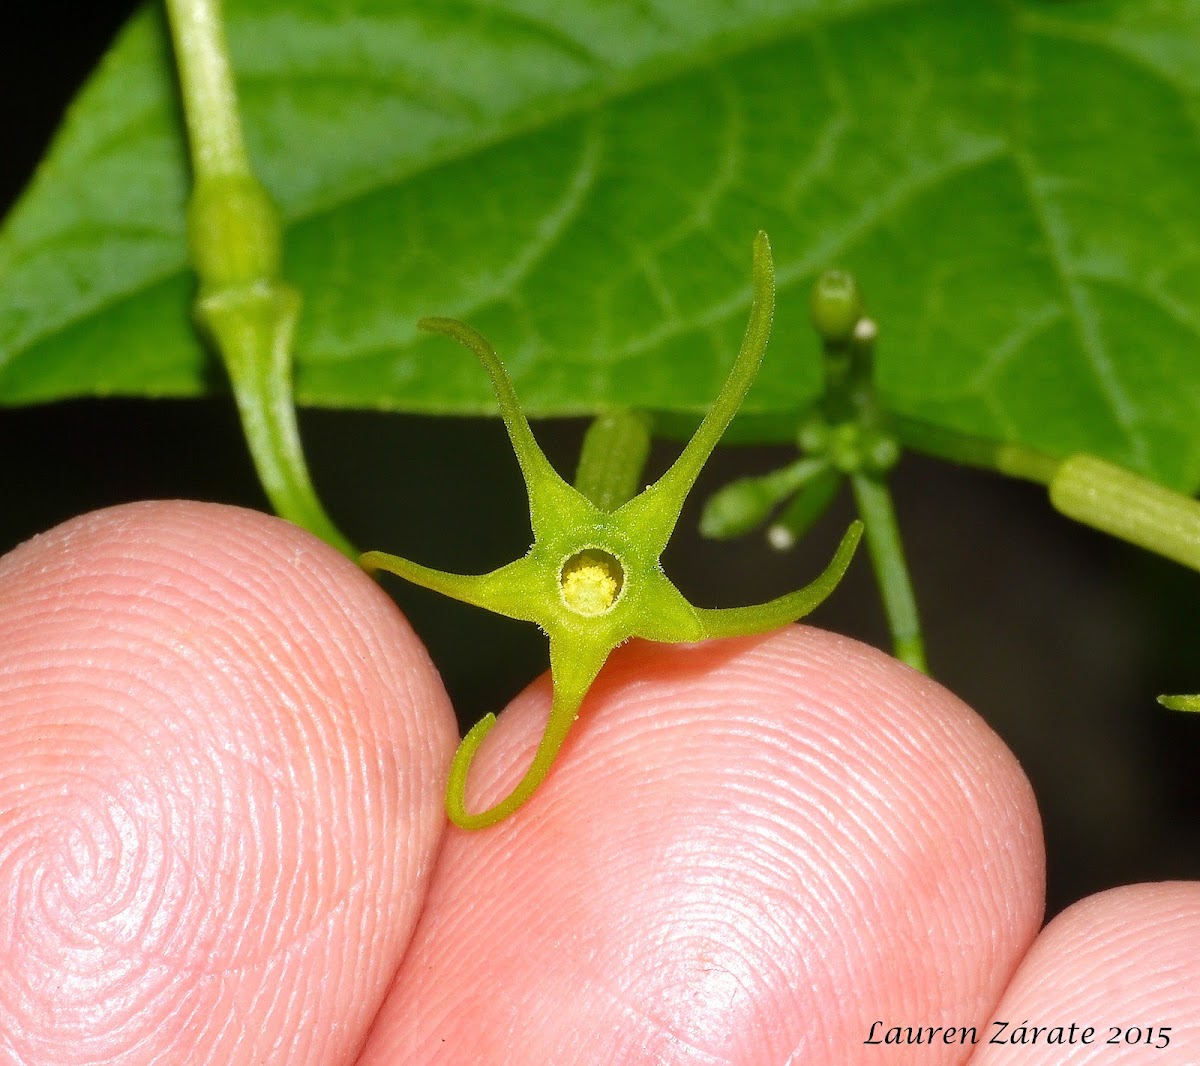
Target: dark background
[1059,636]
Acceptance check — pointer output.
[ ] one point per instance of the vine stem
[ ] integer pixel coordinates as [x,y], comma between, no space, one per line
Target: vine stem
[1013,460]
[206,84]
[235,239]
[1123,504]
[1083,487]
[1119,502]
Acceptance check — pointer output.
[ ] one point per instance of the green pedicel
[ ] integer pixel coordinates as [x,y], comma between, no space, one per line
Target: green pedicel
[592,578]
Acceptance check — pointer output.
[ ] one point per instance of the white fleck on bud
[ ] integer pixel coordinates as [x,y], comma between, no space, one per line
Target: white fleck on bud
[780,537]
[866,330]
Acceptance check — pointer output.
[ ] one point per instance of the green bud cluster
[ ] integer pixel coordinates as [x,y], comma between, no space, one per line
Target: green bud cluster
[832,445]
[836,306]
[844,439]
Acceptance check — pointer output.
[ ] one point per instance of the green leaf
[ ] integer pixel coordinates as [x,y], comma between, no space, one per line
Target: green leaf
[1013,182]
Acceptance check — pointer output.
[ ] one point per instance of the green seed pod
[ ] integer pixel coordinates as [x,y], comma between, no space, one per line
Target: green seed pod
[836,306]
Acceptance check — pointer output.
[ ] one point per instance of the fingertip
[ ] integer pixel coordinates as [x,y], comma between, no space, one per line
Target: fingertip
[221,757]
[758,847]
[1123,963]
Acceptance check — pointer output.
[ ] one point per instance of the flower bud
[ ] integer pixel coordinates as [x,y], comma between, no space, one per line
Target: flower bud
[738,508]
[836,306]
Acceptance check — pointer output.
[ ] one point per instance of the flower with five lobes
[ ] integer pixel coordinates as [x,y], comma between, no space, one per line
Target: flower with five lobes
[592,578]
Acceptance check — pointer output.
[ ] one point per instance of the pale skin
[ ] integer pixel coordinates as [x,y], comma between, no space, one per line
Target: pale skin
[222,765]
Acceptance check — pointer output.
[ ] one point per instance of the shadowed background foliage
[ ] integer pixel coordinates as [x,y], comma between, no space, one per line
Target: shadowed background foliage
[1058,636]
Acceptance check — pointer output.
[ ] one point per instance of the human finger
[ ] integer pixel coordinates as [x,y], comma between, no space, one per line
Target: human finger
[749,852]
[221,760]
[1114,979]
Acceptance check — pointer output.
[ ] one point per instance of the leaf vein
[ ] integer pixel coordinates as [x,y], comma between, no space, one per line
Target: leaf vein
[835,244]
[1082,315]
[555,222]
[526,24]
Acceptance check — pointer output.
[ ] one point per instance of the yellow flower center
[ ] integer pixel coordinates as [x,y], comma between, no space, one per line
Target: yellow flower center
[590,582]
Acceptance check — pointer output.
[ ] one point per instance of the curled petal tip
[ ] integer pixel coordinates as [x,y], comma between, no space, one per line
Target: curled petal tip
[370,561]
[562,715]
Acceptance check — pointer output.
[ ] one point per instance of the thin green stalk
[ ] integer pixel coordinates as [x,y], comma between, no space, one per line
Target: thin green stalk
[615,449]
[1014,460]
[206,85]
[808,505]
[745,504]
[235,238]
[891,571]
[858,440]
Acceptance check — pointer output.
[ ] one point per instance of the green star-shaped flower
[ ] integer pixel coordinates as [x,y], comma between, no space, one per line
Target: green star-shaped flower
[592,578]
